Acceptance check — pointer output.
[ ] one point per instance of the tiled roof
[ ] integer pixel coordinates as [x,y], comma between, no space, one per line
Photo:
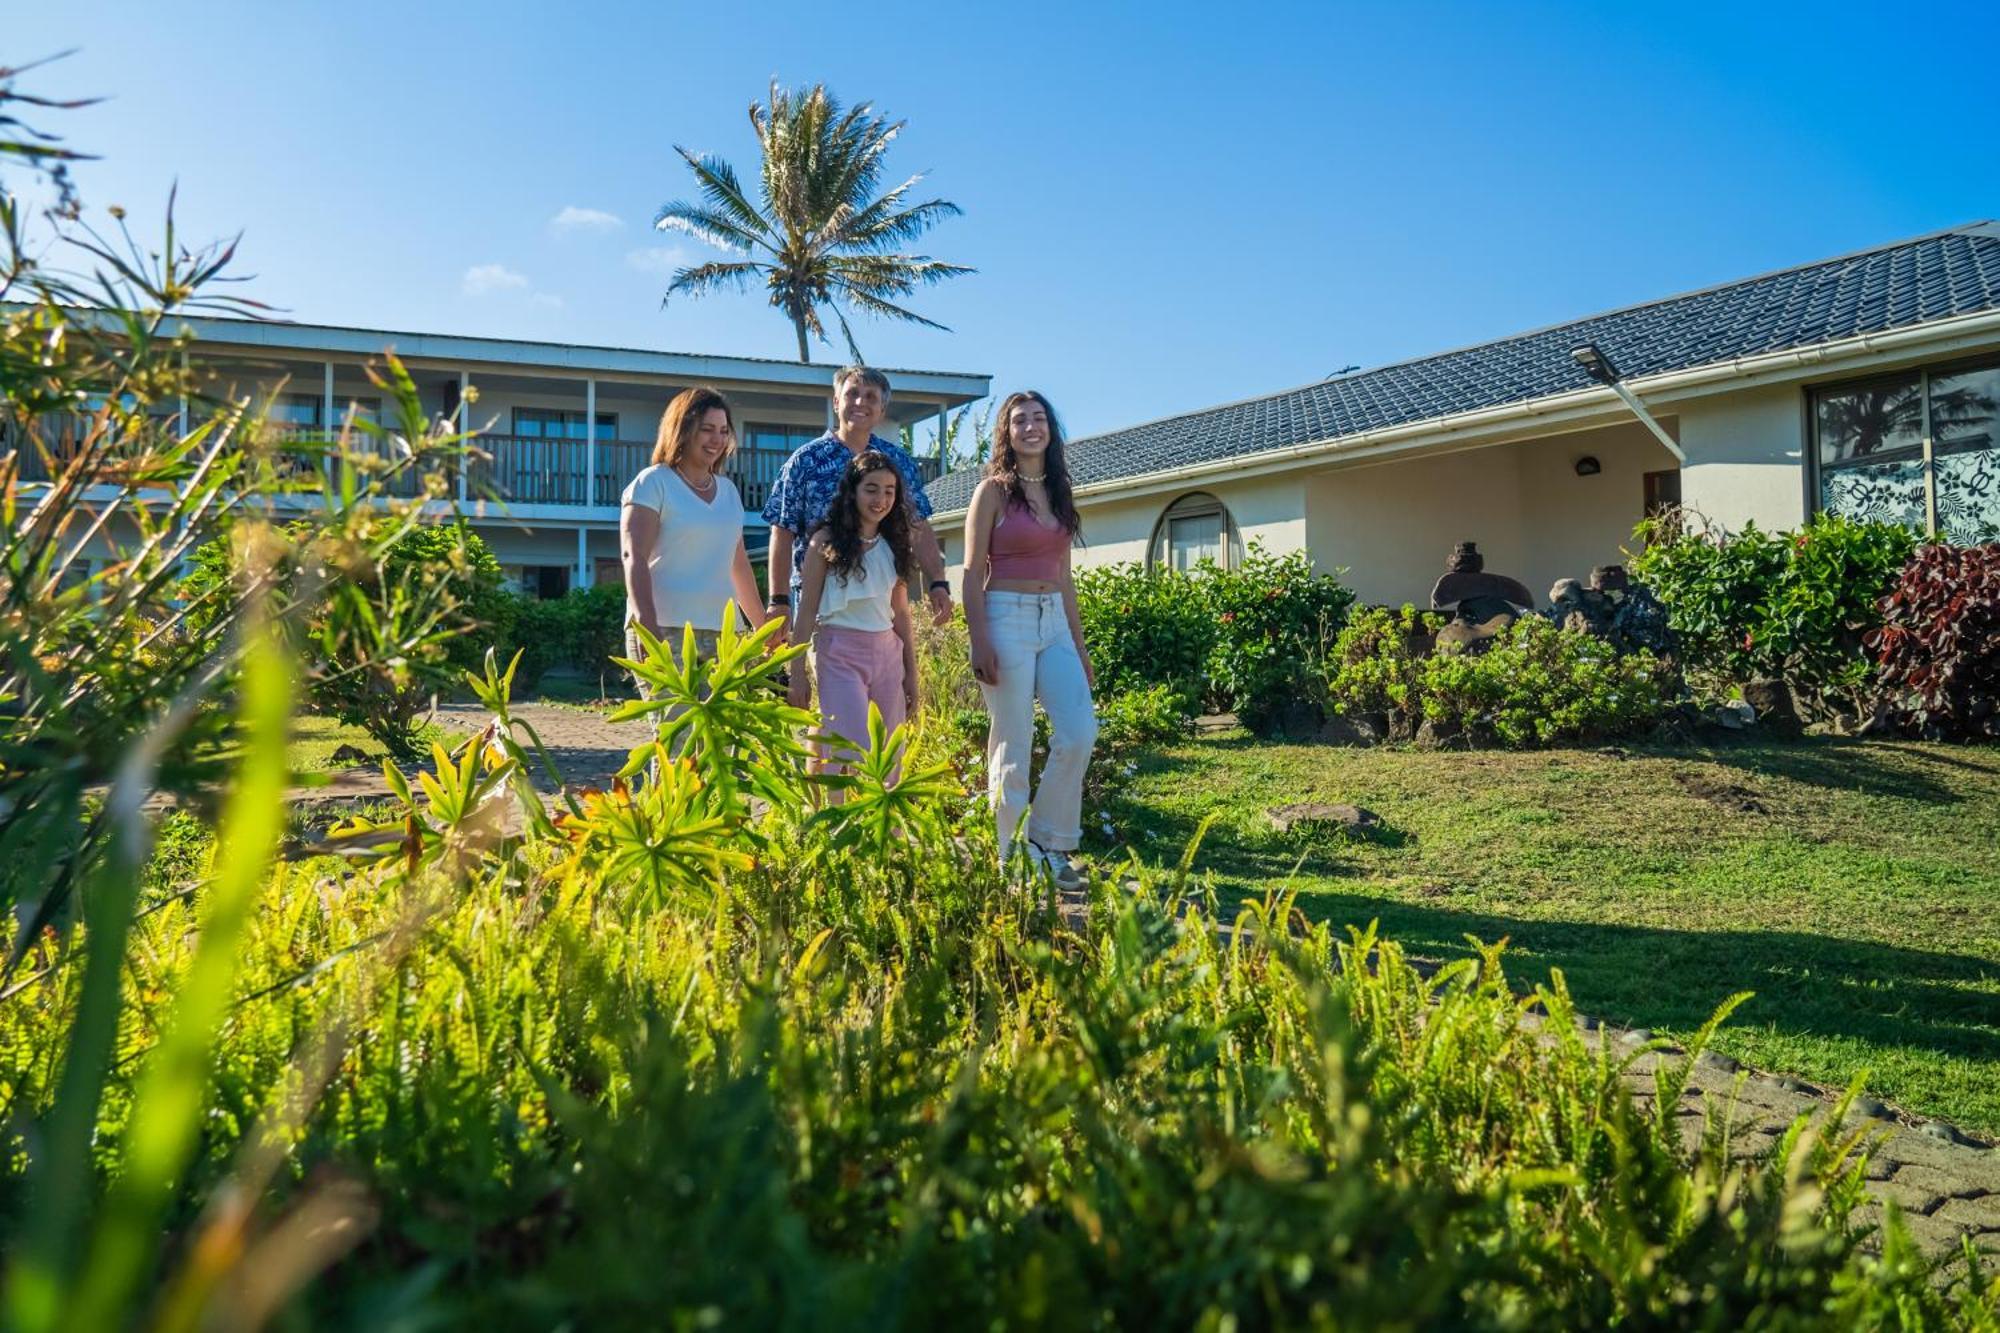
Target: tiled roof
[1917,281]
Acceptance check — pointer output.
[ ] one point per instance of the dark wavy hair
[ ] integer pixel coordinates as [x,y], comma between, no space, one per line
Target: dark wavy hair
[1004,468]
[843,518]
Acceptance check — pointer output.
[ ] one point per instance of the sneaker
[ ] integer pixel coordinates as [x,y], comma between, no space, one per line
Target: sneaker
[1059,866]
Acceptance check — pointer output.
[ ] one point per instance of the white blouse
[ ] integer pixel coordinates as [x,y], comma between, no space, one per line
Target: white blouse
[861,600]
[693,563]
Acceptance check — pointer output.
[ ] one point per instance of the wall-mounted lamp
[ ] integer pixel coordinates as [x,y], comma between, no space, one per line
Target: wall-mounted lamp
[1588,466]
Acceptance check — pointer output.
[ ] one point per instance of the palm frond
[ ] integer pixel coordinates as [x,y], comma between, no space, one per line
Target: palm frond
[890,275]
[724,192]
[874,305]
[713,276]
[708,226]
[885,222]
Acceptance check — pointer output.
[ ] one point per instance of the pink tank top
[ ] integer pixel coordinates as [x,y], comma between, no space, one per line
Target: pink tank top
[1023,549]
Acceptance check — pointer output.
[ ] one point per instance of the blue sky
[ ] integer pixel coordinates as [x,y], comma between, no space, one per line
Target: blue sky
[1170,205]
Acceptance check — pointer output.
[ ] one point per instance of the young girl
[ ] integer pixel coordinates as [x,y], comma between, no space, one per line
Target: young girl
[1027,639]
[854,608]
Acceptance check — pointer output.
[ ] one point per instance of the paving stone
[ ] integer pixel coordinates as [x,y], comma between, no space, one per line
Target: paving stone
[1934,1235]
[1910,1198]
[1945,1183]
[1945,1133]
[1981,1214]
[1972,1165]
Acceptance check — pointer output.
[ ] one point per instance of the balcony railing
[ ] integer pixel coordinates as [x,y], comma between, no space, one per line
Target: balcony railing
[516,469]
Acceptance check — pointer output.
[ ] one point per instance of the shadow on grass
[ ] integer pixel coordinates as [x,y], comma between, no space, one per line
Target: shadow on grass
[1649,977]
[1864,767]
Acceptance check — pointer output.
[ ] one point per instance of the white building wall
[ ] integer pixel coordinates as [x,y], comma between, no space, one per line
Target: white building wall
[1269,510]
[1746,457]
[1390,526]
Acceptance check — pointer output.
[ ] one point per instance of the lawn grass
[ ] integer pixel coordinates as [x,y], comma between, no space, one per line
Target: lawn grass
[313,739]
[1854,886]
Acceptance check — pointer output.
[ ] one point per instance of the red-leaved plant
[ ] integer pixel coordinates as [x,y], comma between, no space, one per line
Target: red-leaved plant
[1938,651]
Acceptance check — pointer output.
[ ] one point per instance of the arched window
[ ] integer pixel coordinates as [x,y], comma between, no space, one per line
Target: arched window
[1195,528]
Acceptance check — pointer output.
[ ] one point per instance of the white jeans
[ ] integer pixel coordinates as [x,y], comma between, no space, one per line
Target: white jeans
[1037,659]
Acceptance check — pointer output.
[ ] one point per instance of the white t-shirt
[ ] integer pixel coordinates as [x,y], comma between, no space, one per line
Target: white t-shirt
[861,600]
[694,558]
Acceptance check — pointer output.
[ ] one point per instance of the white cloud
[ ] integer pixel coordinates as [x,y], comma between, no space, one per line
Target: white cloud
[573,218]
[483,278]
[663,259]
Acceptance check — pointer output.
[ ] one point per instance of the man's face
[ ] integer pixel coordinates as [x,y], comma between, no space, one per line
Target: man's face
[859,404]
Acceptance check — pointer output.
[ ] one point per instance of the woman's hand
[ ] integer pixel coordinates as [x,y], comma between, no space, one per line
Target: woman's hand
[1089,671]
[985,663]
[798,692]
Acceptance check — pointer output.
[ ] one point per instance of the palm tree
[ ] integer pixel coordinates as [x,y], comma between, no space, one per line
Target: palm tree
[817,236]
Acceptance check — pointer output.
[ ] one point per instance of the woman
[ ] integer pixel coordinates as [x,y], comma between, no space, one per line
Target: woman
[854,608]
[1027,639]
[680,528]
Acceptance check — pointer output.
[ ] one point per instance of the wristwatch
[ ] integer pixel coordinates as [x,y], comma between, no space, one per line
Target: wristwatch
[940,583]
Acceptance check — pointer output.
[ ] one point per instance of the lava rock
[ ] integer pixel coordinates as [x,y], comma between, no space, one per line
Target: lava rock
[1312,816]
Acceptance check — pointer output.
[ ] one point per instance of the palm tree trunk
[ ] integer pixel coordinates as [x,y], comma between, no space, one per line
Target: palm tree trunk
[799,327]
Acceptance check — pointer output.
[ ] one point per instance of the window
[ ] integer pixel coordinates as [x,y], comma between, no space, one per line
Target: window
[560,423]
[1920,448]
[1194,528]
[302,411]
[780,439]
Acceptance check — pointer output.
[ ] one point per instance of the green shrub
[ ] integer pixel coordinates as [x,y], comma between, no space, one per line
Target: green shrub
[579,631]
[400,611]
[1537,685]
[1542,685]
[1372,671]
[1151,716]
[1938,650]
[1790,606]
[1276,618]
[1249,639]
[1146,627]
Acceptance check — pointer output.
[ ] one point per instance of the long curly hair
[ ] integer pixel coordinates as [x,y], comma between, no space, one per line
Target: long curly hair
[843,518]
[1005,468]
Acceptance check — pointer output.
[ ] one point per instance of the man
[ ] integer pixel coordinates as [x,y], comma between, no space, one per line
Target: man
[805,486]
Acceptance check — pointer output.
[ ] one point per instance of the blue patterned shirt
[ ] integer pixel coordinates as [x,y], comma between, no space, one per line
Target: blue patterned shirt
[806,484]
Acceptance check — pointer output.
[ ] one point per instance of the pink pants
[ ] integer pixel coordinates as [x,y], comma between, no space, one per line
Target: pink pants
[854,668]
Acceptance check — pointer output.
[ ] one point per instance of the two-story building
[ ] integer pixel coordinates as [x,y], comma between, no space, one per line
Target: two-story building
[565,427]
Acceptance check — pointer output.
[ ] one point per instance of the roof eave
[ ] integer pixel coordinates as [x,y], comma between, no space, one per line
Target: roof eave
[1577,409]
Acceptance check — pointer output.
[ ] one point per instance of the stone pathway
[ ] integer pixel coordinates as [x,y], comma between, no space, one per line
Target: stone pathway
[586,749]
[1947,1185]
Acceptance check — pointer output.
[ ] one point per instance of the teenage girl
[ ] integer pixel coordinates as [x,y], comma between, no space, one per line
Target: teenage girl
[854,609]
[1027,639]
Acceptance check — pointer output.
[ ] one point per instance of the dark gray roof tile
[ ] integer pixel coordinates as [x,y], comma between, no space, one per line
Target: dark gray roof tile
[1917,281]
